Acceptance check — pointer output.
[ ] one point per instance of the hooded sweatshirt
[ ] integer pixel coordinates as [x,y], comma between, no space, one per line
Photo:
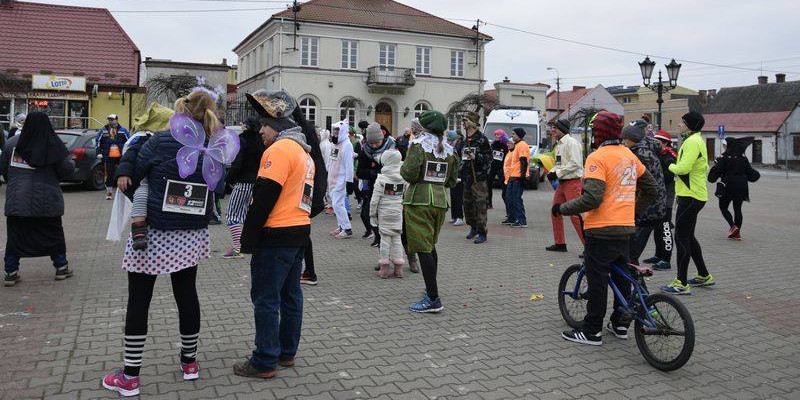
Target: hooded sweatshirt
[341,156]
[386,206]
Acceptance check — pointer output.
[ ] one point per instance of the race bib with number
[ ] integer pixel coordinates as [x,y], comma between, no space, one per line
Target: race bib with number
[435,172]
[558,159]
[308,186]
[469,153]
[391,189]
[185,198]
[335,154]
[17,161]
[497,155]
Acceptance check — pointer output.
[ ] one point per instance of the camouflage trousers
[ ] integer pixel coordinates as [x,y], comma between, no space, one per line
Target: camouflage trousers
[476,196]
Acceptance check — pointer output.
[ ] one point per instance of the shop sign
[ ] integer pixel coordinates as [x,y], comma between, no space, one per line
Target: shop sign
[58,96]
[56,82]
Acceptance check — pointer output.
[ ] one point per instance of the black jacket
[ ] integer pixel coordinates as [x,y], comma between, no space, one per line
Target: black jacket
[497,165]
[127,163]
[401,144]
[735,172]
[320,172]
[244,168]
[477,169]
[157,163]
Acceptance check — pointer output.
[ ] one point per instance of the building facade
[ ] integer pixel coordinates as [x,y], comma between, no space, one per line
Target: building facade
[566,104]
[644,101]
[154,71]
[86,69]
[376,61]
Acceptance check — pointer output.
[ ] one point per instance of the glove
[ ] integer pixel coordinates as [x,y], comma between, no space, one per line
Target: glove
[551,176]
[373,222]
[556,210]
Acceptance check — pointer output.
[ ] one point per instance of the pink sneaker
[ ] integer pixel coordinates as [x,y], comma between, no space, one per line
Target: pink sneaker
[336,231]
[190,371]
[343,234]
[116,382]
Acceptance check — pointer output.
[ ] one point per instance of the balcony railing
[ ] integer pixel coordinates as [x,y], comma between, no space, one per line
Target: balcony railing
[391,77]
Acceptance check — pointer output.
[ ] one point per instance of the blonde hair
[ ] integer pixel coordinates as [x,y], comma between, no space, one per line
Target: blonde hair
[201,107]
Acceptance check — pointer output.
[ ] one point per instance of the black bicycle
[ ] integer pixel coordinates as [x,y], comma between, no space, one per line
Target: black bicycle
[662,325]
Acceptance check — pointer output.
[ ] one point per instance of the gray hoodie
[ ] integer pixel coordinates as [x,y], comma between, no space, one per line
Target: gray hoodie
[386,207]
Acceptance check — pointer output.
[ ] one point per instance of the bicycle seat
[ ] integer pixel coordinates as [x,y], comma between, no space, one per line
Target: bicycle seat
[643,271]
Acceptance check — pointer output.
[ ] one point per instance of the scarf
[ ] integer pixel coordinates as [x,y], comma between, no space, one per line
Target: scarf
[38,143]
[375,154]
[297,135]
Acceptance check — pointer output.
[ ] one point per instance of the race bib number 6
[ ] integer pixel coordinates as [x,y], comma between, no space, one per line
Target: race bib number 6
[436,172]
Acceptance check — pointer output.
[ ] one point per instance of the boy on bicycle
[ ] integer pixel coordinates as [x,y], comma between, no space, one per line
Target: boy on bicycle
[616,186]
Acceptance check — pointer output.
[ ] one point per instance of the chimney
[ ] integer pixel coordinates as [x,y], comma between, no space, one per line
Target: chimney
[578,87]
[506,80]
[780,78]
[762,80]
[702,97]
[224,61]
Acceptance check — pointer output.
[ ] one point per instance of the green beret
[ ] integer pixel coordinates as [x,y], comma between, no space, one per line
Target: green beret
[433,121]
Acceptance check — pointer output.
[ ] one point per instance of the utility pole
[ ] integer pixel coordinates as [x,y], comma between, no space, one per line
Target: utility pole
[478,63]
[295,10]
[558,89]
[785,147]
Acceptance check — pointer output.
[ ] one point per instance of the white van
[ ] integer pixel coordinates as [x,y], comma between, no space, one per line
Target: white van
[509,118]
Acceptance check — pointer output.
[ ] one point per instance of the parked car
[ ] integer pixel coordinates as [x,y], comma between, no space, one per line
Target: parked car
[88,168]
[526,118]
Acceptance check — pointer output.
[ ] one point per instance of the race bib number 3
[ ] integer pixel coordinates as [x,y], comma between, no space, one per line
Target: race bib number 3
[185,198]
[436,172]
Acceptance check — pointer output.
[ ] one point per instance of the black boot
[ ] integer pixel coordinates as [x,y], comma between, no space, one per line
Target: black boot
[139,235]
[561,248]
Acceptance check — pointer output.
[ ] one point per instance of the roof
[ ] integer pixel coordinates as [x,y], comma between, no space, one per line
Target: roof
[770,97]
[618,90]
[569,97]
[379,14]
[746,122]
[153,62]
[66,40]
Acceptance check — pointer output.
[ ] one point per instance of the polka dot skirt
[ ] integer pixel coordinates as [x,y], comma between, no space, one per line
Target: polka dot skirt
[168,251]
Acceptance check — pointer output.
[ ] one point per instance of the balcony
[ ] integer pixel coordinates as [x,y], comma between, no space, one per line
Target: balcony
[390,77]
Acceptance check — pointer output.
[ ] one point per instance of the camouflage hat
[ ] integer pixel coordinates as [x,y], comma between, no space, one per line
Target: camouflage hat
[272,103]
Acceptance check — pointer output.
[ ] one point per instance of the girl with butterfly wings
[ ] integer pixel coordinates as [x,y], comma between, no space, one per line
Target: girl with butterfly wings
[182,166]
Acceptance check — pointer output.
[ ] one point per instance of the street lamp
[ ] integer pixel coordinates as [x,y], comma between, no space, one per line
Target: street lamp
[558,89]
[673,68]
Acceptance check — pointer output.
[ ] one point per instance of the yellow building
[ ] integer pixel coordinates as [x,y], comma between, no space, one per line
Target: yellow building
[638,101]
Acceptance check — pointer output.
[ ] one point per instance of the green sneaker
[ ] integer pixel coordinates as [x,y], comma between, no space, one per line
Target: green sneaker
[700,281]
[676,288]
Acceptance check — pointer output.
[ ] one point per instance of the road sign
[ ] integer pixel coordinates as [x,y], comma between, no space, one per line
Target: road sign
[721,131]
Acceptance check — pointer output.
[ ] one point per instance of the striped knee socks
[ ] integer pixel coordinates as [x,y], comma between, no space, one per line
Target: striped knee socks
[236,236]
[189,348]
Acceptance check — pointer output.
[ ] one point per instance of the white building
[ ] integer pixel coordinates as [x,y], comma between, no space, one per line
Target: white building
[375,60]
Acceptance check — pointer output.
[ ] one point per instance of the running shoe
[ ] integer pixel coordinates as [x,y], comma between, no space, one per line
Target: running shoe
[507,221]
[561,248]
[368,235]
[578,336]
[190,371]
[651,260]
[481,238]
[676,288]
[621,332]
[232,254]
[11,279]
[661,265]
[426,305]
[116,382]
[458,222]
[700,281]
[109,196]
[735,233]
[336,231]
[63,273]
[308,280]
[472,233]
[329,210]
[519,225]
[344,234]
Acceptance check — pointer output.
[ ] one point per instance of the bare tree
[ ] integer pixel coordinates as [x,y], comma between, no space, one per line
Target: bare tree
[10,83]
[473,102]
[166,89]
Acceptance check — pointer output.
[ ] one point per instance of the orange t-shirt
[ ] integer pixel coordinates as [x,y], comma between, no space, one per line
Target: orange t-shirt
[286,163]
[619,168]
[512,164]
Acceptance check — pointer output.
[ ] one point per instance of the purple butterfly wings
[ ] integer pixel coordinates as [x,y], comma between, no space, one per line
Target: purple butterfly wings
[222,148]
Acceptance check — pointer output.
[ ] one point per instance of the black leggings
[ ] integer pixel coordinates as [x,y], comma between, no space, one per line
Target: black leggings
[724,202]
[140,291]
[429,263]
[309,260]
[457,200]
[688,247]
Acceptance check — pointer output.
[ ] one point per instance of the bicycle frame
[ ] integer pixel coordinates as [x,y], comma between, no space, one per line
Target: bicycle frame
[638,290]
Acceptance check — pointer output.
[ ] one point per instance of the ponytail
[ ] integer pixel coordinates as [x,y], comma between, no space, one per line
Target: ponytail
[440,147]
[200,106]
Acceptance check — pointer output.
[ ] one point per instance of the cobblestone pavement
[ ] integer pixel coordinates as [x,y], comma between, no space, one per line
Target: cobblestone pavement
[57,339]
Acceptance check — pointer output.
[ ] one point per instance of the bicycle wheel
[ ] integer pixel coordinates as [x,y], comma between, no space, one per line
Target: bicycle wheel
[573,308]
[669,344]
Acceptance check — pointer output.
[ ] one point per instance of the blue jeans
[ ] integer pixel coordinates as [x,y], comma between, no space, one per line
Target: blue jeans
[12,262]
[275,276]
[516,209]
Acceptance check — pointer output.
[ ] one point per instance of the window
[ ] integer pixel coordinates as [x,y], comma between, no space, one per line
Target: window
[456,63]
[309,52]
[387,56]
[626,100]
[424,60]
[796,144]
[347,109]
[349,54]
[260,58]
[309,108]
[420,108]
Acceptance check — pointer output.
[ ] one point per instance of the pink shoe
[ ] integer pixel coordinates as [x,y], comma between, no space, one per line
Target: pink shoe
[398,267]
[383,272]
[343,234]
[336,231]
[190,371]
[116,382]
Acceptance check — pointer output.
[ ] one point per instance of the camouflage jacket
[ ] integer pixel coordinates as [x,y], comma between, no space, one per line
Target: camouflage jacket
[648,151]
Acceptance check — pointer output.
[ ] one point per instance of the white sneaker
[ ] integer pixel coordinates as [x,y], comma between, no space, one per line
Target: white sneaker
[458,222]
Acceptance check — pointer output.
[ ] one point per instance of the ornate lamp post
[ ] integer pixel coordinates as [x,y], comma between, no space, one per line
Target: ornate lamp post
[673,68]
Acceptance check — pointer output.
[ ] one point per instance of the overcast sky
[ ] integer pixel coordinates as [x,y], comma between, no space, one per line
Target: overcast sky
[742,33]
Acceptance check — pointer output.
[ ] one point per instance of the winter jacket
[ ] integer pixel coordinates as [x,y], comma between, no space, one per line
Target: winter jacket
[386,206]
[368,165]
[691,168]
[130,153]
[320,169]
[401,144]
[157,162]
[735,172]
[499,152]
[648,150]
[477,169]
[244,168]
[667,158]
[33,192]
[105,140]
[569,158]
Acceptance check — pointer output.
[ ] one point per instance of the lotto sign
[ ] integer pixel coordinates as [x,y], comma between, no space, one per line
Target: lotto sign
[54,82]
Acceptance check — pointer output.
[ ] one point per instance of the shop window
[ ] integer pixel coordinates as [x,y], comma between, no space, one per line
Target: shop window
[78,115]
[55,109]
